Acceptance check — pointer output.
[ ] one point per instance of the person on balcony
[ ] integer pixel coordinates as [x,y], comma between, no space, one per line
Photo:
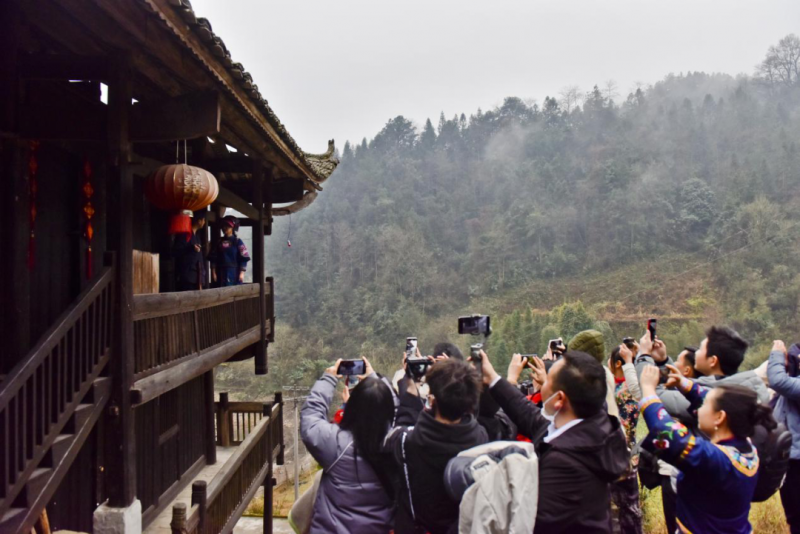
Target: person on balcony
[229,257]
[356,492]
[190,264]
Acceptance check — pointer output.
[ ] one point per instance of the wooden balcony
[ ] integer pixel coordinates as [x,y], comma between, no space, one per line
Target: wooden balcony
[180,336]
[220,493]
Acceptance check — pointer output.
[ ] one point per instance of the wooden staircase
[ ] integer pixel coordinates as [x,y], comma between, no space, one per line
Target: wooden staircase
[45,479]
[49,404]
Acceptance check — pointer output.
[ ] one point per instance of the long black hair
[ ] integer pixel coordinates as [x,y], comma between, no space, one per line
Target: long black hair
[368,416]
[744,411]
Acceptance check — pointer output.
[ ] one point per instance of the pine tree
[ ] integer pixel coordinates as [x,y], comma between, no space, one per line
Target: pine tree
[427,139]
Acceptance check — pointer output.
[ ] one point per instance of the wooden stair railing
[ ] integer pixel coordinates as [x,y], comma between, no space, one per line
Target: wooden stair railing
[43,402]
[217,505]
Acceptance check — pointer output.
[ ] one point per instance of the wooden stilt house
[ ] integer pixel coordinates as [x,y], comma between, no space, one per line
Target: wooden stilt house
[107,403]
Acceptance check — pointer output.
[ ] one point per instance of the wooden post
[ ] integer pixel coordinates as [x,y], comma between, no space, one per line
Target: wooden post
[279,401]
[14,206]
[258,251]
[268,476]
[224,421]
[199,497]
[178,524]
[121,473]
[211,440]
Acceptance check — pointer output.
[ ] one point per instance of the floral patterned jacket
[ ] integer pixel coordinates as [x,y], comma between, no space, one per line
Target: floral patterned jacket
[716,480]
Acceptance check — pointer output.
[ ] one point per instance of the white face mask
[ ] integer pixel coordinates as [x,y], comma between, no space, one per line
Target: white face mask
[551,418]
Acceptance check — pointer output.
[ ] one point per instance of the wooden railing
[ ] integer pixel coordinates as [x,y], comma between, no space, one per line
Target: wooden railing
[42,392]
[178,336]
[169,327]
[235,420]
[217,505]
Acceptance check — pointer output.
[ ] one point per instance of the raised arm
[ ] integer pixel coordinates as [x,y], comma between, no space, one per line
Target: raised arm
[319,434]
[672,441]
[779,379]
[520,410]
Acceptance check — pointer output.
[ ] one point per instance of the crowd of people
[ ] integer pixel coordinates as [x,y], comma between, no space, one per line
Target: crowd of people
[427,454]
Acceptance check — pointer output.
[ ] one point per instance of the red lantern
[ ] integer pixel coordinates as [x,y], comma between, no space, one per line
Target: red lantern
[181,189]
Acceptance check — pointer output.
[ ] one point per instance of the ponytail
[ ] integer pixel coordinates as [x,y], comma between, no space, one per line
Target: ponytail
[763,417]
[743,410]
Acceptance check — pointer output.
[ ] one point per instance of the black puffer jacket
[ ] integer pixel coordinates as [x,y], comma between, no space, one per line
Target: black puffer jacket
[425,450]
[575,468]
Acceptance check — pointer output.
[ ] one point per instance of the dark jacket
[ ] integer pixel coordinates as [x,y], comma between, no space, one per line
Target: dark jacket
[575,469]
[424,449]
[189,263]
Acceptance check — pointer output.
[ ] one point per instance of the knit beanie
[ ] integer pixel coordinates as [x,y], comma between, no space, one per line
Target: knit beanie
[591,342]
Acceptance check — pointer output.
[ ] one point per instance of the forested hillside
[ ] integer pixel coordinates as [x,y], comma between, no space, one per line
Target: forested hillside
[678,200]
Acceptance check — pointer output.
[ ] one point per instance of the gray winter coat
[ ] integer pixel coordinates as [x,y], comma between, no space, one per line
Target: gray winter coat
[787,410]
[676,403]
[351,497]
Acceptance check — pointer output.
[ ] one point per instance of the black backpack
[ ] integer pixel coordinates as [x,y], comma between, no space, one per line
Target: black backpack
[773,454]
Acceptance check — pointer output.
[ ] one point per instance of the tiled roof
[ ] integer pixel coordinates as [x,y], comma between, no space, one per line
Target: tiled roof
[321,165]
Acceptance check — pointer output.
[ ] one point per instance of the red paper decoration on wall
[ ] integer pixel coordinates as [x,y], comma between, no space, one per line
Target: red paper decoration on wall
[33,188]
[88,214]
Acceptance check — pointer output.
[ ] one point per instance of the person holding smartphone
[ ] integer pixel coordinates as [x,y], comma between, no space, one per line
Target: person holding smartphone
[356,493]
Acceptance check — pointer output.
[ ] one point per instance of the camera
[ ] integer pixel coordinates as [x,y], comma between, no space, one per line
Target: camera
[557,347]
[417,367]
[526,387]
[351,367]
[476,325]
[629,342]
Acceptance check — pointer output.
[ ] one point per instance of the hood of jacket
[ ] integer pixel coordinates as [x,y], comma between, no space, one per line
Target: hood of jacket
[599,444]
[748,379]
[441,442]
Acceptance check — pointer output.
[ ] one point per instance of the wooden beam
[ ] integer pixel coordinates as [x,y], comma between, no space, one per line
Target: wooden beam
[150,387]
[120,437]
[211,440]
[154,305]
[184,117]
[306,201]
[258,271]
[228,198]
[40,66]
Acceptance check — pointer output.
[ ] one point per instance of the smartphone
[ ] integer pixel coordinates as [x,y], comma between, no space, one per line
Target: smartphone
[476,325]
[351,367]
[528,358]
[651,327]
[411,346]
[629,342]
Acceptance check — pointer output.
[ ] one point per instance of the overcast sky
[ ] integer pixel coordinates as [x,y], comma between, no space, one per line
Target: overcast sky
[341,68]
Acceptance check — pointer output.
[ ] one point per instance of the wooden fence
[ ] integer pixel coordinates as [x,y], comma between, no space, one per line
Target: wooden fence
[218,504]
